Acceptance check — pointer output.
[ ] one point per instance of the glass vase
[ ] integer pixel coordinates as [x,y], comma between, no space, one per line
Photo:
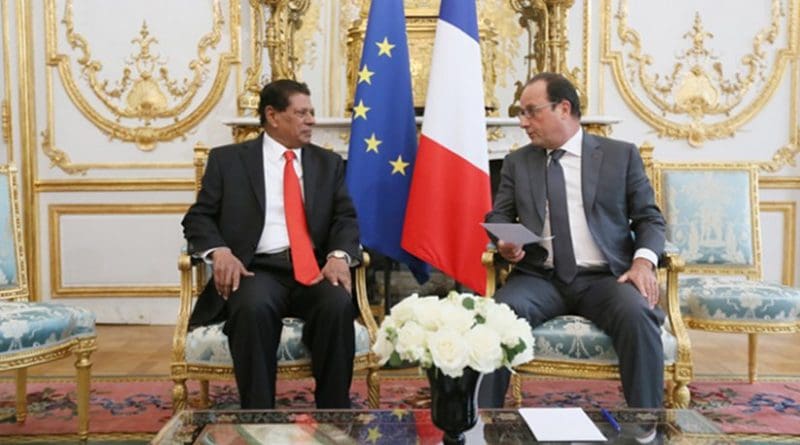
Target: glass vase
[454,403]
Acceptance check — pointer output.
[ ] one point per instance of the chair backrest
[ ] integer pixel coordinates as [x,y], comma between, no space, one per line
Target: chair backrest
[13,275]
[712,218]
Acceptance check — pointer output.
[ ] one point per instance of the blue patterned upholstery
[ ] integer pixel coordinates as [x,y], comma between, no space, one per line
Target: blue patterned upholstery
[207,345]
[709,215]
[732,299]
[576,339]
[26,325]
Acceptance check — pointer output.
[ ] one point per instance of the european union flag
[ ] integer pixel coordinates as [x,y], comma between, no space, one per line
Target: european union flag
[383,135]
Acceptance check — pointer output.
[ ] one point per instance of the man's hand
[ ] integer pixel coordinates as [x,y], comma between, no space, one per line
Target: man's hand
[228,270]
[337,271]
[643,276]
[510,251]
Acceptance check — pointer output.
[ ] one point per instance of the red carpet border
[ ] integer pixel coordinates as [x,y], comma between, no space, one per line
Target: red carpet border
[143,405]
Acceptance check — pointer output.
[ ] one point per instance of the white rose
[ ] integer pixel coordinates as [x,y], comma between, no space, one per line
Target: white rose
[383,347]
[426,312]
[404,310]
[522,330]
[501,319]
[485,352]
[411,341]
[455,316]
[449,351]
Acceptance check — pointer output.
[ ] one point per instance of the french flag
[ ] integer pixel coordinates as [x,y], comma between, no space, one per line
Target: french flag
[450,190]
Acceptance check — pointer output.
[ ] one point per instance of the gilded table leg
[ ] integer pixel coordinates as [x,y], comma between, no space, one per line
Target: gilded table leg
[752,363]
[22,394]
[83,366]
[373,388]
[516,389]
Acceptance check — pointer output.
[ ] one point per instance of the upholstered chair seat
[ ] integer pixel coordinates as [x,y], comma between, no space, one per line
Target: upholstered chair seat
[32,326]
[731,299]
[576,339]
[208,345]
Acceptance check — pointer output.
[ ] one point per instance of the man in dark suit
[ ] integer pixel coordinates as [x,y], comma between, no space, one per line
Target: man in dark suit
[267,265]
[593,196]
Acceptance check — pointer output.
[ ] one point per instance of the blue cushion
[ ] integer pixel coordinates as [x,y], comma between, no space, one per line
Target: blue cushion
[732,299]
[26,325]
[207,345]
[576,339]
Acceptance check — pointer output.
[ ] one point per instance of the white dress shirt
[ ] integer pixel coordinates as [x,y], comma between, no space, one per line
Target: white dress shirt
[274,235]
[587,254]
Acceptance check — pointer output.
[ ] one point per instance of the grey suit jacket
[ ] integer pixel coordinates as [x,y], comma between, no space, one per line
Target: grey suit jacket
[617,199]
[229,210]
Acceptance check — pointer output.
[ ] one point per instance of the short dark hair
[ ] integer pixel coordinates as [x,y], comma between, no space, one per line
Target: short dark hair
[560,88]
[276,94]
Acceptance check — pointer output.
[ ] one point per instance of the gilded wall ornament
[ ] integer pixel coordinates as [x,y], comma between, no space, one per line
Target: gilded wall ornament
[284,29]
[146,92]
[548,42]
[700,98]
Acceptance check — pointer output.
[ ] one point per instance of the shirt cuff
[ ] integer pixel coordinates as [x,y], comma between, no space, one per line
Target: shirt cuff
[647,254]
[206,256]
[343,255]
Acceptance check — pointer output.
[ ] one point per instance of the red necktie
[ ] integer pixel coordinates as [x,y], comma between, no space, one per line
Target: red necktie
[304,263]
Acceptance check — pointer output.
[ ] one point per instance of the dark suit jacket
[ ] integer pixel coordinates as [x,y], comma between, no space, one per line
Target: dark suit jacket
[230,210]
[617,200]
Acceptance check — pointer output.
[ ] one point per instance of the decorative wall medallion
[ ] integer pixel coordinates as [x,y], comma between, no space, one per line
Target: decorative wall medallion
[146,104]
[700,98]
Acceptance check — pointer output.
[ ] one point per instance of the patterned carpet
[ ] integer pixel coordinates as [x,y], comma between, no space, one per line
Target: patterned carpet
[130,410]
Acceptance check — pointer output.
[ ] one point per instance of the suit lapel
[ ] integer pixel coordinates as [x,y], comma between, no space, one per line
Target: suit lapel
[253,158]
[536,164]
[591,160]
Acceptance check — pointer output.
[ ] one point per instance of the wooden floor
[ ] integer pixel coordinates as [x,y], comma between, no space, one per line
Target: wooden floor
[127,350]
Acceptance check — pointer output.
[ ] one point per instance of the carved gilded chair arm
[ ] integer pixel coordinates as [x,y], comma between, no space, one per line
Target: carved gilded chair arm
[674,264]
[182,325]
[362,300]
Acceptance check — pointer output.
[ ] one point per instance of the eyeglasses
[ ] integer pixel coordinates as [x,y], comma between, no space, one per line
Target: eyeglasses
[531,111]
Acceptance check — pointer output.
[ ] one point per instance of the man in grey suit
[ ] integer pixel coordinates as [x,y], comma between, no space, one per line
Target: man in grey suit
[593,196]
[257,198]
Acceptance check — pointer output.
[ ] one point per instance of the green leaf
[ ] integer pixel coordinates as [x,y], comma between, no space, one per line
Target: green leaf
[479,319]
[468,303]
[395,360]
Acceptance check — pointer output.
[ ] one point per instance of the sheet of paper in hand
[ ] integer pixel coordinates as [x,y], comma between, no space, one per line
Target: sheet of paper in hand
[513,233]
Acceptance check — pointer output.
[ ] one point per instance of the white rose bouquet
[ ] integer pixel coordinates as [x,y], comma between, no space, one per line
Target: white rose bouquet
[461,330]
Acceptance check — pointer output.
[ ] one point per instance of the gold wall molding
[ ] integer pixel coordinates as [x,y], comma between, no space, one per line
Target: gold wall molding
[58,290]
[6,129]
[788,210]
[114,185]
[779,182]
[146,94]
[697,88]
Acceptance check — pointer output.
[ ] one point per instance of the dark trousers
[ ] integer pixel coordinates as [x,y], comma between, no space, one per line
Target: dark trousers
[254,327]
[616,308]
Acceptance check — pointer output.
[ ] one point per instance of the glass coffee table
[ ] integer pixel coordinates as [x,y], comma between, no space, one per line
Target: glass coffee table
[406,426]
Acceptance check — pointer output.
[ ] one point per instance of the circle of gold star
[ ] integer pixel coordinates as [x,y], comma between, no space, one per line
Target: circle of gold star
[360,110]
[399,166]
[365,75]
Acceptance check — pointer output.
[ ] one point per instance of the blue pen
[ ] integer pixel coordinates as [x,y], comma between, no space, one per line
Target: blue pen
[611,420]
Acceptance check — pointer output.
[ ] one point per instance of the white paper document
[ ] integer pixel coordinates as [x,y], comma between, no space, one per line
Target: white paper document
[513,233]
[561,425]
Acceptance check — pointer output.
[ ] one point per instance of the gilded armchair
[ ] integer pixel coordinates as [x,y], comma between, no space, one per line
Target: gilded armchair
[34,333]
[203,353]
[712,214]
[572,346]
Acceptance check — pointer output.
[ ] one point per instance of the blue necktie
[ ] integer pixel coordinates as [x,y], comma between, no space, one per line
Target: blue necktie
[563,255]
